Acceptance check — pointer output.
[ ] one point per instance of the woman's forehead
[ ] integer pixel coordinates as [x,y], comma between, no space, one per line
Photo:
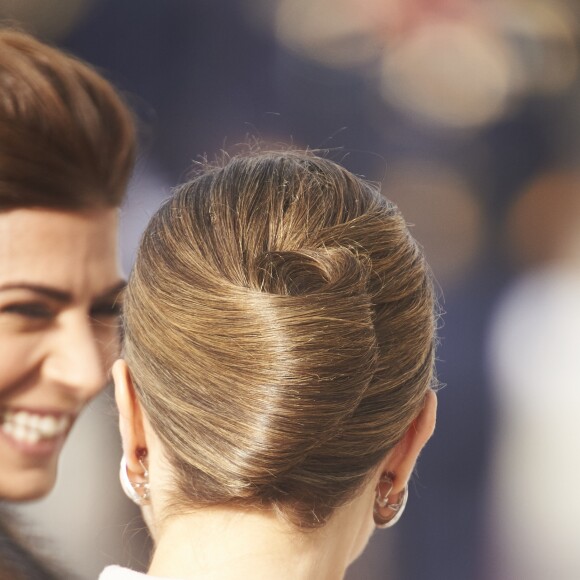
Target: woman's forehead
[74,251]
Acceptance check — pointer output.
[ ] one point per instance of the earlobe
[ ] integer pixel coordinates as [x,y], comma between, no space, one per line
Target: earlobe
[137,491]
[387,513]
[395,471]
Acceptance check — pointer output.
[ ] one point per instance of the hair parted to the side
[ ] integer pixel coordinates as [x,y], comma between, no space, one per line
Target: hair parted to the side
[67,140]
[280,330]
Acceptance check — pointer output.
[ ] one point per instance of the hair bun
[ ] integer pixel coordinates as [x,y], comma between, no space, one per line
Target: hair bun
[312,271]
[279,328]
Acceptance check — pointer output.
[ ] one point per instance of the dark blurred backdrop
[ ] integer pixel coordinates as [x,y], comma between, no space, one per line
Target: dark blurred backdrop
[468,113]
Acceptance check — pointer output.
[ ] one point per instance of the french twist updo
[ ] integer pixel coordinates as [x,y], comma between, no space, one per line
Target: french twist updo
[280,332]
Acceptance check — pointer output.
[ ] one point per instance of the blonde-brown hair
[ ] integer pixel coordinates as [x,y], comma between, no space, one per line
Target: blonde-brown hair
[280,332]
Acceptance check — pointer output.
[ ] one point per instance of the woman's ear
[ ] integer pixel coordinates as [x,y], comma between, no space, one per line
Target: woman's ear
[401,461]
[130,417]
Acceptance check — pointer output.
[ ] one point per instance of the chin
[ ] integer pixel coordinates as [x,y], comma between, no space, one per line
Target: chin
[23,487]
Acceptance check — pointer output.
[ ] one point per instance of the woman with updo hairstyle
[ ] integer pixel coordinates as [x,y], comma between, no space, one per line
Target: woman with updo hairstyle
[278,379]
[67,148]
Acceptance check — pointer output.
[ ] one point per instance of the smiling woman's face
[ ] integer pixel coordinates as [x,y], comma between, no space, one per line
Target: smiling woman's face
[59,334]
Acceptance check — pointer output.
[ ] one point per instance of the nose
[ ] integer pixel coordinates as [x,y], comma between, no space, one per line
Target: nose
[75,358]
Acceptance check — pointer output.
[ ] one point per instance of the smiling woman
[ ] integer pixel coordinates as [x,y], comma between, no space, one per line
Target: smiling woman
[58,334]
[66,151]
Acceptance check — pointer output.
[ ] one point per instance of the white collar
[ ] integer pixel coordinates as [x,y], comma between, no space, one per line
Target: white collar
[120,573]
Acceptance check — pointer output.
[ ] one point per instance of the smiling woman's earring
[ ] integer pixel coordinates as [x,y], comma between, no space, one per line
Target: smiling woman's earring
[137,491]
[388,514]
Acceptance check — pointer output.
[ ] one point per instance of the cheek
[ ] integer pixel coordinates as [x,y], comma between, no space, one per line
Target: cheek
[17,360]
[109,343]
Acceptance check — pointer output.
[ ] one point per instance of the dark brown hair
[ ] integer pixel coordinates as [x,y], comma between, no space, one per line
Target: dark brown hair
[280,330]
[67,141]
[66,138]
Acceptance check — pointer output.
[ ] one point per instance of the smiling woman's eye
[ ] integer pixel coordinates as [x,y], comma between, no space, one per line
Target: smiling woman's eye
[33,310]
[108,310]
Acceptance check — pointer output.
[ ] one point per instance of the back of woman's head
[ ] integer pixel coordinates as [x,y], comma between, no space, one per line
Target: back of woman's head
[66,138]
[280,333]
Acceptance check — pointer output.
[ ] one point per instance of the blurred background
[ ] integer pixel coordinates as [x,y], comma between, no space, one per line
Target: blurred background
[468,112]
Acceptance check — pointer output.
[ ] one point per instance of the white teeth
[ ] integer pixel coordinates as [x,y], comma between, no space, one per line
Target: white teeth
[20,433]
[32,437]
[47,425]
[31,427]
[21,418]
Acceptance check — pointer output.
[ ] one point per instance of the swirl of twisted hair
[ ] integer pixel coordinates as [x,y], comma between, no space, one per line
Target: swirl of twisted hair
[280,331]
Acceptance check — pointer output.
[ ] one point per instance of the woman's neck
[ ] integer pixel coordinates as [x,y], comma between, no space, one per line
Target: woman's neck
[227,544]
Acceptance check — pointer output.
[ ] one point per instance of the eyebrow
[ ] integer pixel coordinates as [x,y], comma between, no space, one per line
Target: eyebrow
[62,296]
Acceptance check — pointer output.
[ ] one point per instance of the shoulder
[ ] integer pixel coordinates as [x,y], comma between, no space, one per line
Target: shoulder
[16,561]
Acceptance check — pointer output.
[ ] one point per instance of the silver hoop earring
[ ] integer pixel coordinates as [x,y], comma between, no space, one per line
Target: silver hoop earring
[382,503]
[137,492]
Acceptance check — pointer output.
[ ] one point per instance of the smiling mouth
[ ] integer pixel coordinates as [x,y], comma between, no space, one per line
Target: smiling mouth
[31,428]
